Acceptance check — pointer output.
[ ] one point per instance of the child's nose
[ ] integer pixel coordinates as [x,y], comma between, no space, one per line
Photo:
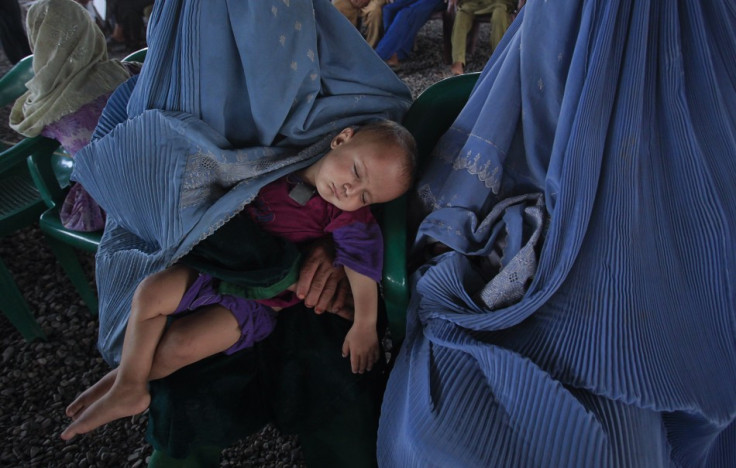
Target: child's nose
[351,189]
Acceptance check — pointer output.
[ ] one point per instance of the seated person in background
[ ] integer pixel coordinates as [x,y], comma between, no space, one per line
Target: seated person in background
[465,13]
[402,20]
[73,78]
[369,14]
[370,164]
[129,26]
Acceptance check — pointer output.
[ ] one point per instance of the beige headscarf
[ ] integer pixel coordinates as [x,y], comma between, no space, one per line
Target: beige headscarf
[70,63]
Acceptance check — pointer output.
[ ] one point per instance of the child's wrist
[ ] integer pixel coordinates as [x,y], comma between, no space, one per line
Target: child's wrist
[366,322]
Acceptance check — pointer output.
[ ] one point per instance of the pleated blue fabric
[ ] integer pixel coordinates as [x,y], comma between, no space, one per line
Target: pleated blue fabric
[232,95]
[621,116]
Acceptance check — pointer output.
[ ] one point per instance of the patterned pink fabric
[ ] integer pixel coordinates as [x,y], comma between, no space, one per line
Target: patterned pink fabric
[79,211]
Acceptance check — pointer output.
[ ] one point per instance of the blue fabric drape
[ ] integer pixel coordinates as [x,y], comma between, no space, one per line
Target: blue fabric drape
[232,95]
[622,351]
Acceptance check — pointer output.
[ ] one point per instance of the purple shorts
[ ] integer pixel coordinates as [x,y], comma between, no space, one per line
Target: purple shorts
[256,320]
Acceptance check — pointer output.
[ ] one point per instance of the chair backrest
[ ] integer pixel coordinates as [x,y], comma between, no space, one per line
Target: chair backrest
[137,56]
[434,111]
[427,119]
[20,201]
[50,174]
[13,83]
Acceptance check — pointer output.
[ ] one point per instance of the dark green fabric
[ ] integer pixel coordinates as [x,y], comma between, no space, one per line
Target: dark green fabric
[346,440]
[255,292]
[296,379]
[251,262]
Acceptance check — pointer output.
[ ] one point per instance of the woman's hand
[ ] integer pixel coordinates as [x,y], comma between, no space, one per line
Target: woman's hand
[322,285]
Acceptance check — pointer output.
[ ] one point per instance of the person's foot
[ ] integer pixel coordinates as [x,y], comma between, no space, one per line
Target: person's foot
[393,62]
[457,68]
[91,395]
[119,402]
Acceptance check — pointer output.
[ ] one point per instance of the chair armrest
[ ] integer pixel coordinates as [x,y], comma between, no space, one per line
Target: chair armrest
[17,153]
[42,173]
[395,286]
[435,110]
[427,119]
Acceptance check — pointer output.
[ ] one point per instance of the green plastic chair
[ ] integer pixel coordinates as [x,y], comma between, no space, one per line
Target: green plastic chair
[427,119]
[13,83]
[51,176]
[137,56]
[26,199]
[20,201]
[20,206]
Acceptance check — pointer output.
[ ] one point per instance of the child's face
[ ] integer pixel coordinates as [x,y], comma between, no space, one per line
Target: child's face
[359,170]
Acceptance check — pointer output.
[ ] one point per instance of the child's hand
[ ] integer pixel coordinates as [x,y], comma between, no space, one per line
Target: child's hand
[361,343]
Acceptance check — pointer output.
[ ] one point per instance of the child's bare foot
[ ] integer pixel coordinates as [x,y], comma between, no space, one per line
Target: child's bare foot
[457,68]
[119,402]
[91,395]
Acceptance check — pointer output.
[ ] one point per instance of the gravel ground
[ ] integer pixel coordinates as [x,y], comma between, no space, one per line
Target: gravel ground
[37,380]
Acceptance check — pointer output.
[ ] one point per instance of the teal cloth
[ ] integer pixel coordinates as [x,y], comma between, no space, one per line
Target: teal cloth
[249,262]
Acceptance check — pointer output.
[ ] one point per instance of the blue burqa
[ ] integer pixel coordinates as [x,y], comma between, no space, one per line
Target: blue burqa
[232,95]
[585,314]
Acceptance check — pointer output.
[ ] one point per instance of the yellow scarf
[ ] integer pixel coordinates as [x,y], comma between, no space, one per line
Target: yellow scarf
[70,64]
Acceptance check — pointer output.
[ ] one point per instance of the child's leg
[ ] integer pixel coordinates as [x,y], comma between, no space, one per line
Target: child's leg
[210,330]
[189,339]
[155,298]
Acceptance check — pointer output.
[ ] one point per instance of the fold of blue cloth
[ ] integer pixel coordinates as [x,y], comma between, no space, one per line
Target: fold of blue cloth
[622,349]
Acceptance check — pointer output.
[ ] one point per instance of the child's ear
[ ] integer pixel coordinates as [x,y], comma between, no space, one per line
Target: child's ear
[342,137]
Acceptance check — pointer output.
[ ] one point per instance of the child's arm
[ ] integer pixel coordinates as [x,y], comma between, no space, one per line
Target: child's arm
[361,342]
